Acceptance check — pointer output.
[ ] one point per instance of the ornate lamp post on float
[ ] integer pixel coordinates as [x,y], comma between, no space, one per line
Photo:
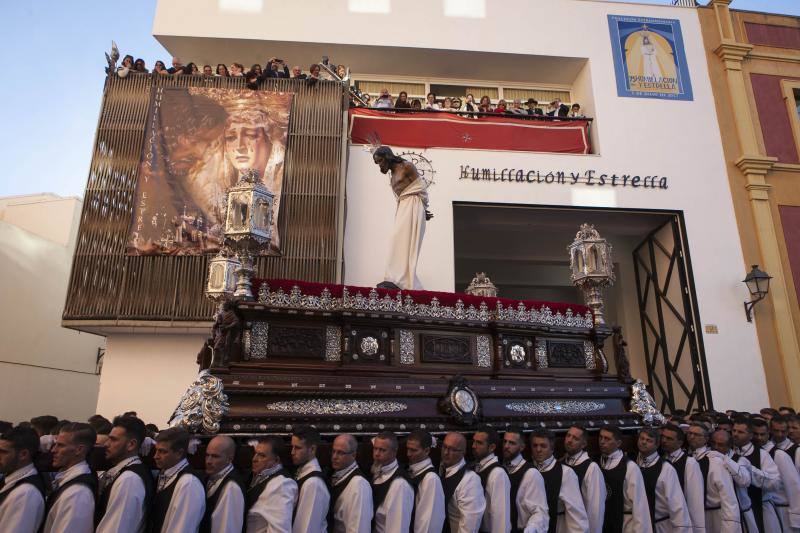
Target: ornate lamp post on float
[592,268]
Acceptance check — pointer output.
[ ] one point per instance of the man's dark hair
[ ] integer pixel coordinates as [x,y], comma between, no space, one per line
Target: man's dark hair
[22,438]
[582,429]
[787,408]
[780,419]
[82,434]
[44,424]
[491,434]
[744,421]
[60,424]
[422,437]
[309,435]
[543,433]
[614,430]
[386,153]
[769,411]
[152,430]
[516,430]
[758,423]
[391,437]
[102,426]
[5,426]
[275,444]
[177,438]
[652,433]
[681,436]
[134,427]
[701,425]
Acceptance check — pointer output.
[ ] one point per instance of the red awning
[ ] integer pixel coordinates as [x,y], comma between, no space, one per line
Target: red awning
[448,130]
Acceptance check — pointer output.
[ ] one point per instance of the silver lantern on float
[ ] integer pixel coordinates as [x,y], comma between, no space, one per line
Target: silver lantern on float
[221,283]
[248,225]
[592,268]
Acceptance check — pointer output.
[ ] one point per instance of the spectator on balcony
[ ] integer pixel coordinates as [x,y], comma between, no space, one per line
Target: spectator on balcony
[384,101]
[532,107]
[252,79]
[276,68]
[257,70]
[126,67]
[516,108]
[457,103]
[237,70]
[402,101]
[430,102]
[501,107]
[469,104]
[160,68]
[208,72]
[313,71]
[192,69]
[297,72]
[575,112]
[177,66]
[557,109]
[416,104]
[447,105]
[486,105]
[341,72]
[140,66]
[222,71]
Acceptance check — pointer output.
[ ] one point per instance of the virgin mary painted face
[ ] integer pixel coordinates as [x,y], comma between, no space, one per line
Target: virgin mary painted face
[247,145]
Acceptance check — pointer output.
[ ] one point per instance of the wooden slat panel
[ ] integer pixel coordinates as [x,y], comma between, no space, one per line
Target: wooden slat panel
[106,284]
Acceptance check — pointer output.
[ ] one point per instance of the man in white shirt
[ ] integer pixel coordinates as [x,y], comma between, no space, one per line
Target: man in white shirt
[626,504]
[722,507]
[272,492]
[351,496]
[779,432]
[689,474]
[311,510]
[528,497]
[764,476]
[392,495]
[224,492]
[564,500]
[70,507]
[463,494]
[180,500]
[786,499]
[592,483]
[125,491]
[22,490]
[668,510]
[721,443]
[429,511]
[494,480]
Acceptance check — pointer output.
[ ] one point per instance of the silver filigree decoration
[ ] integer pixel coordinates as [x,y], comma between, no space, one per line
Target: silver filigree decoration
[202,406]
[588,350]
[333,343]
[517,353]
[406,347]
[549,407]
[484,349]
[259,336]
[643,405]
[369,346]
[541,353]
[336,406]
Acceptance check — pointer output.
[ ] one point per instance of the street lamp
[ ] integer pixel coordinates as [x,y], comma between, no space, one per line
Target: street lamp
[757,282]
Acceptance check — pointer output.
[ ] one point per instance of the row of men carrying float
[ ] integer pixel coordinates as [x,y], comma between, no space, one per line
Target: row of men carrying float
[742,482]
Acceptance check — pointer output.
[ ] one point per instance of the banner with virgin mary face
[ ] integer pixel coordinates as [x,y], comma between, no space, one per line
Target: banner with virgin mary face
[649,59]
[198,141]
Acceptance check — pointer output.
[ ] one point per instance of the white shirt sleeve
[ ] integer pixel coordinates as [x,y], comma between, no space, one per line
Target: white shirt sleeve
[636,500]
[719,477]
[532,502]
[694,490]
[272,512]
[430,513]
[73,512]
[397,506]
[228,515]
[125,510]
[670,500]
[187,506]
[594,497]
[24,508]
[497,517]
[354,506]
[469,504]
[312,507]
[575,517]
[791,484]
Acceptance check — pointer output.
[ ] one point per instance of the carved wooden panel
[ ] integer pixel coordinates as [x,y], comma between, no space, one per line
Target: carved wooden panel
[446,349]
[296,342]
[565,354]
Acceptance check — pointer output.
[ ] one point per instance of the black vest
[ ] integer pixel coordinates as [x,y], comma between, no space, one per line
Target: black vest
[380,490]
[34,479]
[552,486]
[415,482]
[336,491]
[756,494]
[580,471]
[449,485]
[101,503]
[615,500]
[705,464]
[89,480]
[301,482]
[211,501]
[163,499]
[680,469]
[484,474]
[650,475]
[516,481]
[254,492]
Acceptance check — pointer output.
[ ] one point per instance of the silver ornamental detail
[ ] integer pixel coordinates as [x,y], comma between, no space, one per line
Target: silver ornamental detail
[403,304]
[336,406]
[202,406]
[517,353]
[541,353]
[643,405]
[333,343]
[369,346]
[549,407]
[484,349]
[259,336]
[588,350]
[406,347]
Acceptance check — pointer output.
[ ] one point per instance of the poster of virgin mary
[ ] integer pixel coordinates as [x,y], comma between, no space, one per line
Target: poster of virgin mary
[197,142]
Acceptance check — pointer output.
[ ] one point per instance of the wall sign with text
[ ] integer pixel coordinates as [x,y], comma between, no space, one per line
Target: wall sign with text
[649,59]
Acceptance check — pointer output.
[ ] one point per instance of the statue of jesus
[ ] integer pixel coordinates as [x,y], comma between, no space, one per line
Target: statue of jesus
[409,220]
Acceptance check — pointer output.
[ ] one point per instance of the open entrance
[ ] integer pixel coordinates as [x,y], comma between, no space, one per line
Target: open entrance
[522,248]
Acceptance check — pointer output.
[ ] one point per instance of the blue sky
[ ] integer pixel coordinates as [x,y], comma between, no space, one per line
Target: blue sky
[52,82]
